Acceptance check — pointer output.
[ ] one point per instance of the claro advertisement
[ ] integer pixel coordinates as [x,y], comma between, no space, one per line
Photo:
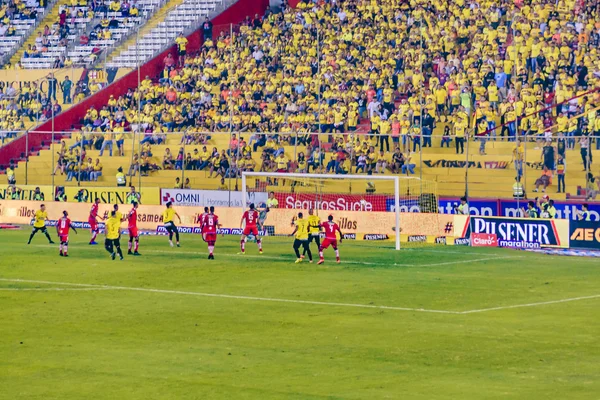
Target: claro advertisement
[520,233]
[364,225]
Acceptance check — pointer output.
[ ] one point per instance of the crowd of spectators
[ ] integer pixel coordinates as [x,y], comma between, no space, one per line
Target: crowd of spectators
[484,70]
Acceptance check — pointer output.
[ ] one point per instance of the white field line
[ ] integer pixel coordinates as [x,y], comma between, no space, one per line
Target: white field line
[541,303]
[52,289]
[228,296]
[310,302]
[280,258]
[283,258]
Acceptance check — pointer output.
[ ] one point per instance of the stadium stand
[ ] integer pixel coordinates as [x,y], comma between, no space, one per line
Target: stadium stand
[17,20]
[482,73]
[165,29]
[75,32]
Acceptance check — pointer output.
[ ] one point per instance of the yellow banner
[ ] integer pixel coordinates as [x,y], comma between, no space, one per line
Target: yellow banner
[26,192]
[150,217]
[112,195]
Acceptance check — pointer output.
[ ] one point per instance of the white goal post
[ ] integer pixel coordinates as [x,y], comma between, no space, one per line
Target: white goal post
[326,177]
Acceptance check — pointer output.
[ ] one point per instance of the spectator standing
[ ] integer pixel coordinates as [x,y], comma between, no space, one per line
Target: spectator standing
[108,142]
[66,86]
[207,28]
[561,170]
[52,86]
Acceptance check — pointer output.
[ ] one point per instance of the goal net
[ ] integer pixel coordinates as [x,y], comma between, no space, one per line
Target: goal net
[367,208]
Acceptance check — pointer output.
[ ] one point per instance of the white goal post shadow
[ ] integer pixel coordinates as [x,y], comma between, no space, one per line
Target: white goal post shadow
[395,179]
[91,286]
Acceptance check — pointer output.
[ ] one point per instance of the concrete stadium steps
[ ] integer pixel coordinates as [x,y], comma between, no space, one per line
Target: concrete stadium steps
[482,182]
[49,19]
[151,24]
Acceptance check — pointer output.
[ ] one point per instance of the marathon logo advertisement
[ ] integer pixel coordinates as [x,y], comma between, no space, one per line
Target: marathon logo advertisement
[512,232]
[585,235]
[195,230]
[75,224]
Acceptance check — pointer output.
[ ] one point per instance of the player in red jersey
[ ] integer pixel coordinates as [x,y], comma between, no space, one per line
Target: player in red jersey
[62,228]
[331,229]
[201,220]
[93,221]
[249,223]
[134,237]
[209,231]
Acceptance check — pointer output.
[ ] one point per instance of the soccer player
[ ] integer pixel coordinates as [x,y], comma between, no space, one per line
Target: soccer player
[134,237]
[249,223]
[201,220]
[209,231]
[62,229]
[113,228]
[39,224]
[331,230]
[301,231]
[117,213]
[168,219]
[93,221]
[314,227]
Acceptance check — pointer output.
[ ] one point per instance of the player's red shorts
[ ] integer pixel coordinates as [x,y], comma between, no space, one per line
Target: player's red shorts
[93,224]
[63,238]
[251,229]
[329,242]
[133,232]
[210,237]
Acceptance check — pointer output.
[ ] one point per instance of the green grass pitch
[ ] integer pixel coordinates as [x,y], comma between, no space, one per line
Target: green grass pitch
[430,323]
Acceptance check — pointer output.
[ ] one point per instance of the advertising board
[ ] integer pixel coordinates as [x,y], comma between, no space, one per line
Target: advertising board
[509,232]
[585,235]
[207,198]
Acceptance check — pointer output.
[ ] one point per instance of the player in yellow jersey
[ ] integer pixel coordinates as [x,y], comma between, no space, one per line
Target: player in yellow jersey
[314,229]
[39,224]
[301,232]
[169,221]
[113,233]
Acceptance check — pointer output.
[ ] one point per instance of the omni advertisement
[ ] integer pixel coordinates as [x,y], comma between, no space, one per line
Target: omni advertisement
[520,233]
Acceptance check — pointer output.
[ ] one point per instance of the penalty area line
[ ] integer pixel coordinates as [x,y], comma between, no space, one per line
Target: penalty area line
[53,289]
[88,286]
[236,297]
[541,303]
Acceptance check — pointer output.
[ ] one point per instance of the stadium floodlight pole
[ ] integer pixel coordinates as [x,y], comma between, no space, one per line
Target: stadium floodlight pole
[27,155]
[52,141]
[284,175]
[139,100]
[421,99]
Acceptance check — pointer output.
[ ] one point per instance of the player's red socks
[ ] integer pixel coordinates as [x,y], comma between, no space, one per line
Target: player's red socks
[211,249]
[259,243]
[243,245]
[129,246]
[136,246]
[94,234]
[320,254]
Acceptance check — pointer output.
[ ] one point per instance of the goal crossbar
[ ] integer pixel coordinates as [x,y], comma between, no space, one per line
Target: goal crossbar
[283,175]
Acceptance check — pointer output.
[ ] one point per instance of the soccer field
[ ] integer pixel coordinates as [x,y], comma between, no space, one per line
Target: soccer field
[431,323]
